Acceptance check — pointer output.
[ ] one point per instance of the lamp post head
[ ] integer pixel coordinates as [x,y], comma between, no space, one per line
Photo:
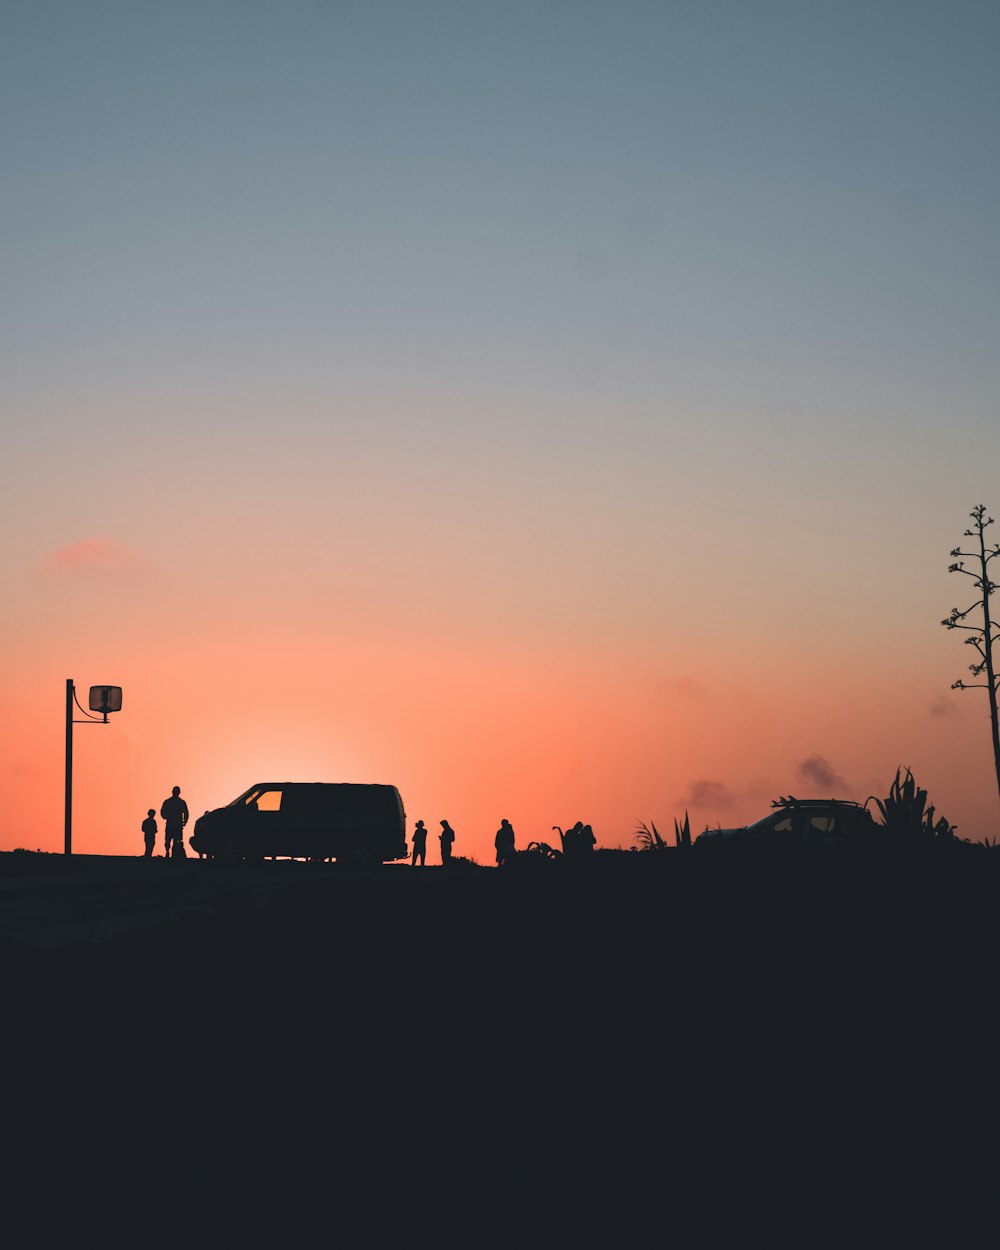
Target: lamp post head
[105,699]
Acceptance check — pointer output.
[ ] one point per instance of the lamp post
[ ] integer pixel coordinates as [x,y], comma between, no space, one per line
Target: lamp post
[103,699]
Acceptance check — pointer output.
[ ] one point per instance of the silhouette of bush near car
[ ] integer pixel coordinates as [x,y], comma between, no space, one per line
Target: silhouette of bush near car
[906,820]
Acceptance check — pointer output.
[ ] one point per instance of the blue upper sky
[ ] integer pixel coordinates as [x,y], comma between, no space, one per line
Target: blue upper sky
[616,197]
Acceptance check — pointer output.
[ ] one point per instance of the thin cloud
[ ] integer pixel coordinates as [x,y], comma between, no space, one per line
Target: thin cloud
[704,793]
[686,687]
[944,708]
[820,771]
[102,556]
[680,686]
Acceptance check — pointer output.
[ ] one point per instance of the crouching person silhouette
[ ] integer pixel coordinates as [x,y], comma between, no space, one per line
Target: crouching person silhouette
[577,842]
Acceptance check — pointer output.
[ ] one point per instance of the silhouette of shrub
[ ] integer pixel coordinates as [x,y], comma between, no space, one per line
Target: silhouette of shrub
[465,864]
[648,836]
[538,858]
[907,817]
[543,848]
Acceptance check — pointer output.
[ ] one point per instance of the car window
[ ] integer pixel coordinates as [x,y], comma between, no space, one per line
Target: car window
[821,822]
[777,822]
[268,801]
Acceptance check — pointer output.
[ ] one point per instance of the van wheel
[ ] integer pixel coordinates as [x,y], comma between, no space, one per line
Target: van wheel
[228,853]
[363,857]
[355,860]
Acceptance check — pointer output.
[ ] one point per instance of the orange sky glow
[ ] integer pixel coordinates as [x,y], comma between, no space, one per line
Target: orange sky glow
[541,734]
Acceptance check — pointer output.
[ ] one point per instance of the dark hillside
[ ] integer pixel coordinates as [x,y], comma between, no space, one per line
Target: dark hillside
[645,1018]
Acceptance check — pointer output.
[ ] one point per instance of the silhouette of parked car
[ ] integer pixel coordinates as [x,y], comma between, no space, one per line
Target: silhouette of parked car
[348,822]
[817,822]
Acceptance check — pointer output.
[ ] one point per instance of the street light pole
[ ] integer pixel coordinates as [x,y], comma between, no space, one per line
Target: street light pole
[103,699]
[68,818]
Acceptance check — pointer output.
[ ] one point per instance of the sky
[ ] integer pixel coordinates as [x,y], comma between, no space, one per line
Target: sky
[560,411]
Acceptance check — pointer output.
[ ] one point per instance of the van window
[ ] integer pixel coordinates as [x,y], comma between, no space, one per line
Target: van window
[268,801]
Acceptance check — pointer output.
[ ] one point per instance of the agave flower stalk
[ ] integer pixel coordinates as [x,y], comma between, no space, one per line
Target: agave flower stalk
[980,637]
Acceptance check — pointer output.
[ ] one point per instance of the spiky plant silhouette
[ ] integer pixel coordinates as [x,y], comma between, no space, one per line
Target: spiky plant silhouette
[648,837]
[543,849]
[906,814]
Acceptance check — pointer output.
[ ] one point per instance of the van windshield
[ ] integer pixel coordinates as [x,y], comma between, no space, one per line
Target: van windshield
[264,800]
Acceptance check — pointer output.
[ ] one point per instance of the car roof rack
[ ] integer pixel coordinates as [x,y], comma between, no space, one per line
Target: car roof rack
[792,801]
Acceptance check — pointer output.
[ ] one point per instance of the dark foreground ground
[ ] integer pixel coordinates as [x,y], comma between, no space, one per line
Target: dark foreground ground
[809,1040]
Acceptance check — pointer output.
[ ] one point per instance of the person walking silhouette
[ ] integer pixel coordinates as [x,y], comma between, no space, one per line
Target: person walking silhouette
[175,812]
[419,845]
[149,832]
[447,838]
[504,842]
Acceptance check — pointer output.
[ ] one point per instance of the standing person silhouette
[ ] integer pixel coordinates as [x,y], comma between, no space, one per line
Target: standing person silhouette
[175,812]
[447,838]
[149,832]
[504,842]
[419,845]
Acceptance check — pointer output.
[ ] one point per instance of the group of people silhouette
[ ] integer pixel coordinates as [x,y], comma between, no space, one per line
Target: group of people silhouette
[577,840]
[503,843]
[419,852]
[174,813]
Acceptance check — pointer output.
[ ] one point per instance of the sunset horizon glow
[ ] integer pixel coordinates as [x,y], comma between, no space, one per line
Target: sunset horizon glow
[558,413]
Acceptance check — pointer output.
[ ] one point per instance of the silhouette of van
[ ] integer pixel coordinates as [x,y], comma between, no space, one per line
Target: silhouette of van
[351,823]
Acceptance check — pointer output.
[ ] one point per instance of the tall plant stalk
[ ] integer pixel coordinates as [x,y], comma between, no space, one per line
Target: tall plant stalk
[980,636]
